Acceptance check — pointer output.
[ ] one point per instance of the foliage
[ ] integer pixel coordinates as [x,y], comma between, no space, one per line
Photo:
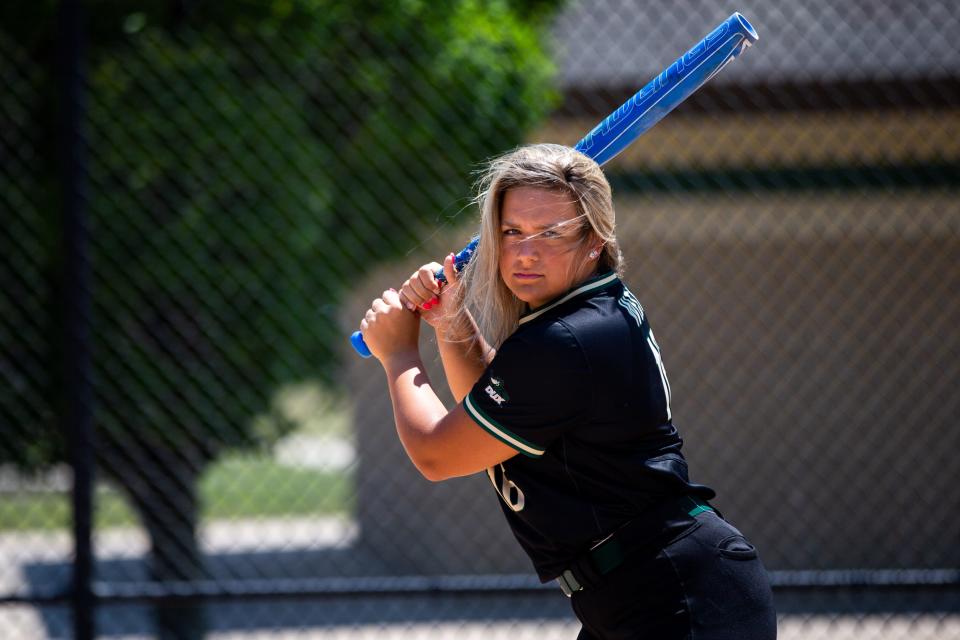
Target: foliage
[248,160]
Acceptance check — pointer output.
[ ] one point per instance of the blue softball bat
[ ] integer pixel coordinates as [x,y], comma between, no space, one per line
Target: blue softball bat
[644,109]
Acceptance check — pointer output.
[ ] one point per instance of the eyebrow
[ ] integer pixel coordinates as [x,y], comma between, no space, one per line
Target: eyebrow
[541,227]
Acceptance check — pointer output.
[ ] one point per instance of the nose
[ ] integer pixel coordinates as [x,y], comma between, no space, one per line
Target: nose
[526,251]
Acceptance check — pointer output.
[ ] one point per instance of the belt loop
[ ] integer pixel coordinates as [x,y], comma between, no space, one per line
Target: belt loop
[568,583]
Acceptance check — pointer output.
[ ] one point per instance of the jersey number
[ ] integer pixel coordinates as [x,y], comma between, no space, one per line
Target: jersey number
[508,490]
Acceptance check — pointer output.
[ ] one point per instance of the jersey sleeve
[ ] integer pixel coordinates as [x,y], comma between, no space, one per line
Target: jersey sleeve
[537,387]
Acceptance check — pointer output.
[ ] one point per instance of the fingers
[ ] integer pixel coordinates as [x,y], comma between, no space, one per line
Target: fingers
[450,270]
[450,273]
[427,278]
[387,300]
[380,306]
[390,298]
[387,327]
[432,287]
[420,287]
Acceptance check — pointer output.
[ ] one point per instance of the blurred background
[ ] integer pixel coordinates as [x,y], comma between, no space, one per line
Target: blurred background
[199,199]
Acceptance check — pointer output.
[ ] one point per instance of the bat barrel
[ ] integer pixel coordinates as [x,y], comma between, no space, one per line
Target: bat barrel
[668,89]
[745,27]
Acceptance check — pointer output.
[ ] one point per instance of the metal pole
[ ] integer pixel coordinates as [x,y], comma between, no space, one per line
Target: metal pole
[78,397]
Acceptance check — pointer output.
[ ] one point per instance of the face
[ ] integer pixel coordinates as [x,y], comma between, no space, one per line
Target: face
[543,250]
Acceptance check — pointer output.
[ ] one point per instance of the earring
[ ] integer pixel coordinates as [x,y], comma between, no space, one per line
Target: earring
[594,254]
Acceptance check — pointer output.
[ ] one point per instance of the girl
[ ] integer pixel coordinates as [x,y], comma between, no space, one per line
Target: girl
[563,400]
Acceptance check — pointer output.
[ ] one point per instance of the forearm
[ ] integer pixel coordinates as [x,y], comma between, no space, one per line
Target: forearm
[440,444]
[464,353]
[416,408]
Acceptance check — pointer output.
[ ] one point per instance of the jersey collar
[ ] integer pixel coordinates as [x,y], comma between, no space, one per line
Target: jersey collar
[593,284]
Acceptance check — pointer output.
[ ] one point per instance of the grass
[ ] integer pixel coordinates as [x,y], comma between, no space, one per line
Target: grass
[235,487]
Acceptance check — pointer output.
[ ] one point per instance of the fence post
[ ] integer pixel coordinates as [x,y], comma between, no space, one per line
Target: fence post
[77,415]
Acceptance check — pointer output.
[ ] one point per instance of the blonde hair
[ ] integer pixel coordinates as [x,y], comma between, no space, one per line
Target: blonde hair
[545,166]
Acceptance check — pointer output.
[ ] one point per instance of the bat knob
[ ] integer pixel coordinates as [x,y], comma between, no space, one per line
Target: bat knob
[359,345]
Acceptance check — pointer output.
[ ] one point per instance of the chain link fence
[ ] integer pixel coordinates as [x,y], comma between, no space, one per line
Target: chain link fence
[250,175]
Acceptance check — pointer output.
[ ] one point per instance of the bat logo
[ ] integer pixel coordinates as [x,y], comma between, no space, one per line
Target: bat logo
[666,80]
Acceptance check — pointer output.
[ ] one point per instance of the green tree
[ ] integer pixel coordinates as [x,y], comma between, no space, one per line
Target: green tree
[248,161]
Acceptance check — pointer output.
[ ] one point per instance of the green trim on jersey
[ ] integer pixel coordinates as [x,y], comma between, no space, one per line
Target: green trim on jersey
[593,284]
[489,425]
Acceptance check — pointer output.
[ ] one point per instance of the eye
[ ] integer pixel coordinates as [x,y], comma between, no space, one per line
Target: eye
[511,232]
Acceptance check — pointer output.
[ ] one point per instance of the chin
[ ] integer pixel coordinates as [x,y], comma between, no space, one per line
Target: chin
[521,297]
[533,301]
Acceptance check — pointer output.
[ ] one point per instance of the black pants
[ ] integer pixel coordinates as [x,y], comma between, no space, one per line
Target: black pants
[706,584]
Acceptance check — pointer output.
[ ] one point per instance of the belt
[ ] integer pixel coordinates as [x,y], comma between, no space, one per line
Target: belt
[609,553]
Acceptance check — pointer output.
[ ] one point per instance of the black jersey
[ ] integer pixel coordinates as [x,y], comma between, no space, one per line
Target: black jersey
[580,390]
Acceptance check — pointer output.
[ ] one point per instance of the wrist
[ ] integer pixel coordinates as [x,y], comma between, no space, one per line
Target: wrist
[401,360]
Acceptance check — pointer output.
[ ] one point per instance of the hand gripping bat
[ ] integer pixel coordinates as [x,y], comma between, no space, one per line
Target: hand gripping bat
[647,107]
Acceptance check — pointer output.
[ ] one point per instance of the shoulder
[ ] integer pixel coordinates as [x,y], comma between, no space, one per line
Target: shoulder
[600,316]
[549,336]
[553,329]
[593,314]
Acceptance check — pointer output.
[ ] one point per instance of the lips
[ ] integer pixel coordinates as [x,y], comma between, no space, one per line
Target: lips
[527,276]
